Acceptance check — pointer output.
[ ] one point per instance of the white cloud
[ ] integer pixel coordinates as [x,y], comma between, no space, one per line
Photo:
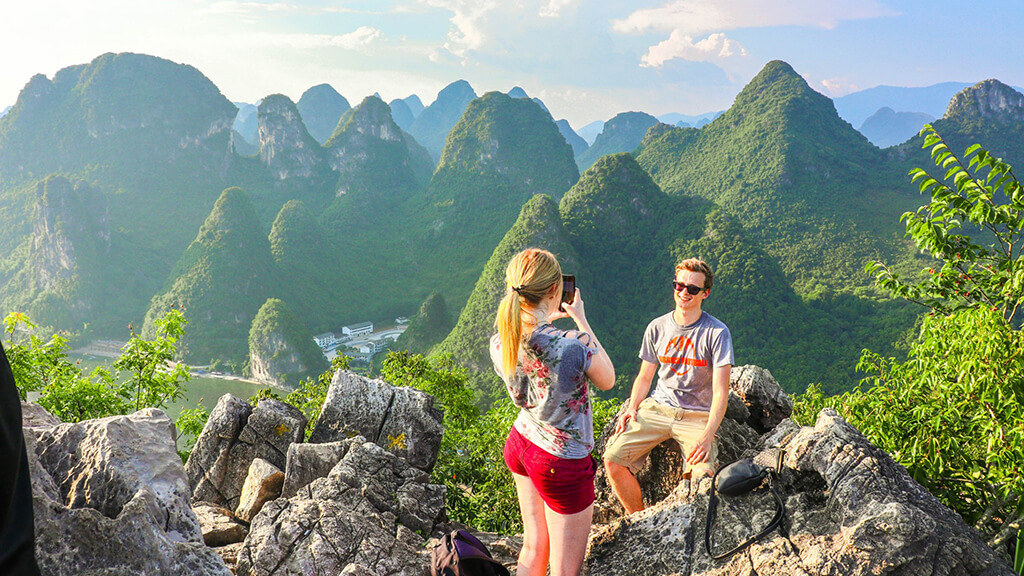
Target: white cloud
[553,9]
[836,87]
[689,19]
[714,48]
[698,17]
[241,8]
[469,22]
[355,40]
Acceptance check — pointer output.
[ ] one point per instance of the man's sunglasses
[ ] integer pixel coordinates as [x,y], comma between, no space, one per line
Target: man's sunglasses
[693,290]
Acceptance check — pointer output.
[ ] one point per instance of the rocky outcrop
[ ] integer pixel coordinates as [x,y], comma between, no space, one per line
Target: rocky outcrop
[262,484]
[286,148]
[271,358]
[988,100]
[402,420]
[69,250]
[35,416]
[307,462]
[850,510]
[219,526]
[366,517]
[376,159]
[281,349]
[767,404]
[233,437]
[110,497]
[71,223]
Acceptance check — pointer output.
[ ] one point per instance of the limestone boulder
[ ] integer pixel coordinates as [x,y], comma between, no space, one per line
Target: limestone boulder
[766,401]
[401,420]
[35,416]
[219,526]
[229,553]
[207,464]
[307,462]
[850,510]
[220,463]
[262,483]
[369,515]
[110,496]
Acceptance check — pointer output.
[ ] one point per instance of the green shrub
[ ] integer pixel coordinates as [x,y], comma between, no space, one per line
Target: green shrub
[952,411]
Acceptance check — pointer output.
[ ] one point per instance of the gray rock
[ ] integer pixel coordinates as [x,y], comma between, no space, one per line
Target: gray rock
[229,553]
[767,403]
[356,570]
[350,520]
[220,527]
[110,496]
[35,416]
[401,420]
[262,483]
[207,465]
[234,437]
[850,510]
[307,462]
[392,485]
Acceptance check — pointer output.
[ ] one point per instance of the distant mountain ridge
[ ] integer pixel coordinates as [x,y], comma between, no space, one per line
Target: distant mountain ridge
[887,127]
[989,112]
[431,126]
[321,107]
[856,107]
[623,133]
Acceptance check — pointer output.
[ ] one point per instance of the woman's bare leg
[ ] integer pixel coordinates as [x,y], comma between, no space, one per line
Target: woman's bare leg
[533,558]
[569,534]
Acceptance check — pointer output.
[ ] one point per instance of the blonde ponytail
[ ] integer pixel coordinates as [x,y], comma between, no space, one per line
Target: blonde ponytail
[510,330]
[528,278]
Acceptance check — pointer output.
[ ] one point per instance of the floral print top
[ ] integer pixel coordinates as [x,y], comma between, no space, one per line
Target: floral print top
[550,388]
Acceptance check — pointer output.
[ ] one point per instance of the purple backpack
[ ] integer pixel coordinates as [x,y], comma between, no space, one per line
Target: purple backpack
[461,554]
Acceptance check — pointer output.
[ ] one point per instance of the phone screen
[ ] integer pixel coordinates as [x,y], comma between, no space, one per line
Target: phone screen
[568,288]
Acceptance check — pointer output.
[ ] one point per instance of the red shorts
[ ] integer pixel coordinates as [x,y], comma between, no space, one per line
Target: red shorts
[566,486]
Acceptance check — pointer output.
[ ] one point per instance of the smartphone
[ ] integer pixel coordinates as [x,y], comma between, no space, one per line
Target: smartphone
[568,288]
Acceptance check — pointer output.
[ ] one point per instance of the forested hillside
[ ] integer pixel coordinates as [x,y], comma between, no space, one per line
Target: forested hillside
[110,174]
[621,236]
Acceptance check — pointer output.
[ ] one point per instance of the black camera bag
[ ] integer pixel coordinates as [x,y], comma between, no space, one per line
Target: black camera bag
[736,479]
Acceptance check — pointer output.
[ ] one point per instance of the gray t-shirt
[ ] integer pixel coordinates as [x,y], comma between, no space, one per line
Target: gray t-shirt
[550,389]
[686,357]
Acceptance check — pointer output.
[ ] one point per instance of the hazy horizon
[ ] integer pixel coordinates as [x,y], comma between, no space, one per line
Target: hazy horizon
[586,60]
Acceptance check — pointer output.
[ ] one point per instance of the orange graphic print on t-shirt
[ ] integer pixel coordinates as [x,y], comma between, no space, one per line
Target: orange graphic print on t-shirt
[680,355]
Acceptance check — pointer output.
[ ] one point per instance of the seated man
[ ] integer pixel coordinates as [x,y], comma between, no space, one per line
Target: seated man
[691,351]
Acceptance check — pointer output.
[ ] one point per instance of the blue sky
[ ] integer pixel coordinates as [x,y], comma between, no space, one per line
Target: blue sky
[588,60]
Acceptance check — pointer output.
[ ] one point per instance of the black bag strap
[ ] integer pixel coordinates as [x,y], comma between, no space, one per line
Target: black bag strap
[780,512]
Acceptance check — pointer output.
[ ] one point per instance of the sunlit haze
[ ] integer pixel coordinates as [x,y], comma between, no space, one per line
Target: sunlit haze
[586,60]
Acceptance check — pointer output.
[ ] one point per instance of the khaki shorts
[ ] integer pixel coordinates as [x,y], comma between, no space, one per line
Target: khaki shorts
[655,423]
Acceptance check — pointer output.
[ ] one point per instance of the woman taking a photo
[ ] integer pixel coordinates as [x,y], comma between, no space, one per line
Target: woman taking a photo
[546,370]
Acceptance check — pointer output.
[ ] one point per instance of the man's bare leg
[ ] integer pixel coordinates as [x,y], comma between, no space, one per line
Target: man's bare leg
[625,486]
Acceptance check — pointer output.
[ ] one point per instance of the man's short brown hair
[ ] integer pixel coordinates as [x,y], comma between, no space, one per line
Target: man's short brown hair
[698,265]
